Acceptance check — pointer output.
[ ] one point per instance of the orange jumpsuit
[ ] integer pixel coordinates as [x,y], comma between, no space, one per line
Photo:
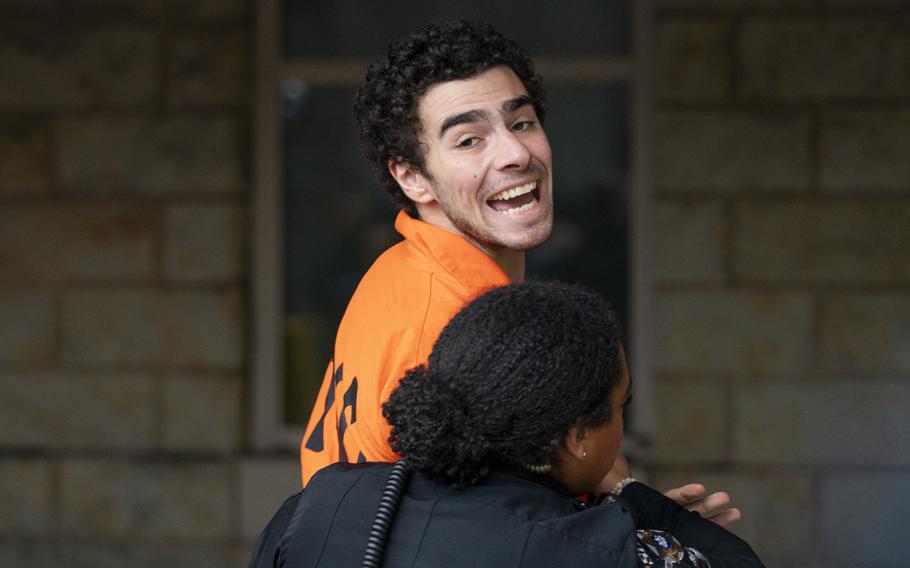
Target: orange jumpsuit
[397,312]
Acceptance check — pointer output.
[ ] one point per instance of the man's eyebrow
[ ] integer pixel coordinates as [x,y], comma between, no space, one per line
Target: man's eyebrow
[512,105]
[462,118]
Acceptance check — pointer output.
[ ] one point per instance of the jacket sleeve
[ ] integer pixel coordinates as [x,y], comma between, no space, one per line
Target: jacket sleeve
[722,548]
[268,545]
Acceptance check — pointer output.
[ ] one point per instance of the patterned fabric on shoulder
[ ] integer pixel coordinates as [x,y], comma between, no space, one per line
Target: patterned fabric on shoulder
[661,550]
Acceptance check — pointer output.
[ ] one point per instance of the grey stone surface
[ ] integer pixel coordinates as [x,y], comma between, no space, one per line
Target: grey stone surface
[146,500]
[91,241]
[691,421]
[865,151]
[731,152]
[818,242]
[57,410]
[175,155]
[735,333]
[846,58]
[841,423]
[865,334]
[144,326]
[863,518]
[27,324]
[201,413]
[203,555]
[16,551]
[26,495]
[126,9]
[732,5]
[25,152]
[207,11]
[264,485]
[203,242]
[777,506]
[688,241]
[692,60]
[208,68]
[53,66]
[31,7]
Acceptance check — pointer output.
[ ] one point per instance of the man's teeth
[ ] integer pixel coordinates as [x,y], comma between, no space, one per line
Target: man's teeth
[524,207]
[514,192]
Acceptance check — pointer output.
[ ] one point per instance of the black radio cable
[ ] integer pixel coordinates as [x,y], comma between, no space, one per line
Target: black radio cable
[385,515]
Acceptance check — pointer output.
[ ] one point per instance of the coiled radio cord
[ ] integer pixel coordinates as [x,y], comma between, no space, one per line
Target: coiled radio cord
[385,515]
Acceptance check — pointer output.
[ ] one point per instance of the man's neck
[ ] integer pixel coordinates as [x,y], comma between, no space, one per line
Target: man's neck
[512,263]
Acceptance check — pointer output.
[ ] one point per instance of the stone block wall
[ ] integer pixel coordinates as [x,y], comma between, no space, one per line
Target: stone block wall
[125,161]
[781,225]
[782,250]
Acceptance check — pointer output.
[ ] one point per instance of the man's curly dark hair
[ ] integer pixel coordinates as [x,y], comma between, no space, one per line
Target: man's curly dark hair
[507,378]
[386,106]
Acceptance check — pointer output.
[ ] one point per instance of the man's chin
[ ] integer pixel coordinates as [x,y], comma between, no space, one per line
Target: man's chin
[527,242]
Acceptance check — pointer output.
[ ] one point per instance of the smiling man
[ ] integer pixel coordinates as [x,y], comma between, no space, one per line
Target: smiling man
[452,122]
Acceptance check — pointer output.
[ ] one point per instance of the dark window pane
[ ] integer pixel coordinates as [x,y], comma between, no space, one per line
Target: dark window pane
[363,29]
[337,219]
[589,133]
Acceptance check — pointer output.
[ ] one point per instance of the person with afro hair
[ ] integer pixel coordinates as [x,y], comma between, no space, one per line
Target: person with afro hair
[518,410]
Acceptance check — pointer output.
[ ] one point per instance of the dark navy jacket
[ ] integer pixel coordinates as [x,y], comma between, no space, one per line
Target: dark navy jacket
[509,519]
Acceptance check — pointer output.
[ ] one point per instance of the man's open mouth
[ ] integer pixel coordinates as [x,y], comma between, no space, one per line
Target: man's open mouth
[516,200]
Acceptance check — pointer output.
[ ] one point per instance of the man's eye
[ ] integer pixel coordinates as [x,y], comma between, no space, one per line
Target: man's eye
[468,142]
[523,125]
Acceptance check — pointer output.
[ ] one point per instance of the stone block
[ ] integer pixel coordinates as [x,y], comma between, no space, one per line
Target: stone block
[865,151]
[25,152]
[202,555]
[29,552]
[202,11]
[732,5]
[25,493]
[199,329]
[56,66]
[863,518]
[688,241]
[813,59]
[691,421]
[818,242]
[778,514]
[844,423]
[692,60]
[93,411]
[203,242]
[27,325]
[734,333]
[865,334]
[264,486]
[201,413]
[133,155]
[30,7]
[208,68]
[122,9]
[864,3]
[84,553]
[146,500]
[731,152]
[77,241]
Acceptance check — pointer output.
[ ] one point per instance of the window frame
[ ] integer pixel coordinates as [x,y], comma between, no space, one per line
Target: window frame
[268,432]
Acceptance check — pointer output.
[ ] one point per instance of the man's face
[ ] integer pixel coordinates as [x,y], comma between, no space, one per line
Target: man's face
[488,162]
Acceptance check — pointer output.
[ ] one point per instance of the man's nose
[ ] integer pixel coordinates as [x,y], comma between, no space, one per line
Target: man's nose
[511,152]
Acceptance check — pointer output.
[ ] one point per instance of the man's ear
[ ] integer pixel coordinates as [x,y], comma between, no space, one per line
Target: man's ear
[574,442]
[413,183]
